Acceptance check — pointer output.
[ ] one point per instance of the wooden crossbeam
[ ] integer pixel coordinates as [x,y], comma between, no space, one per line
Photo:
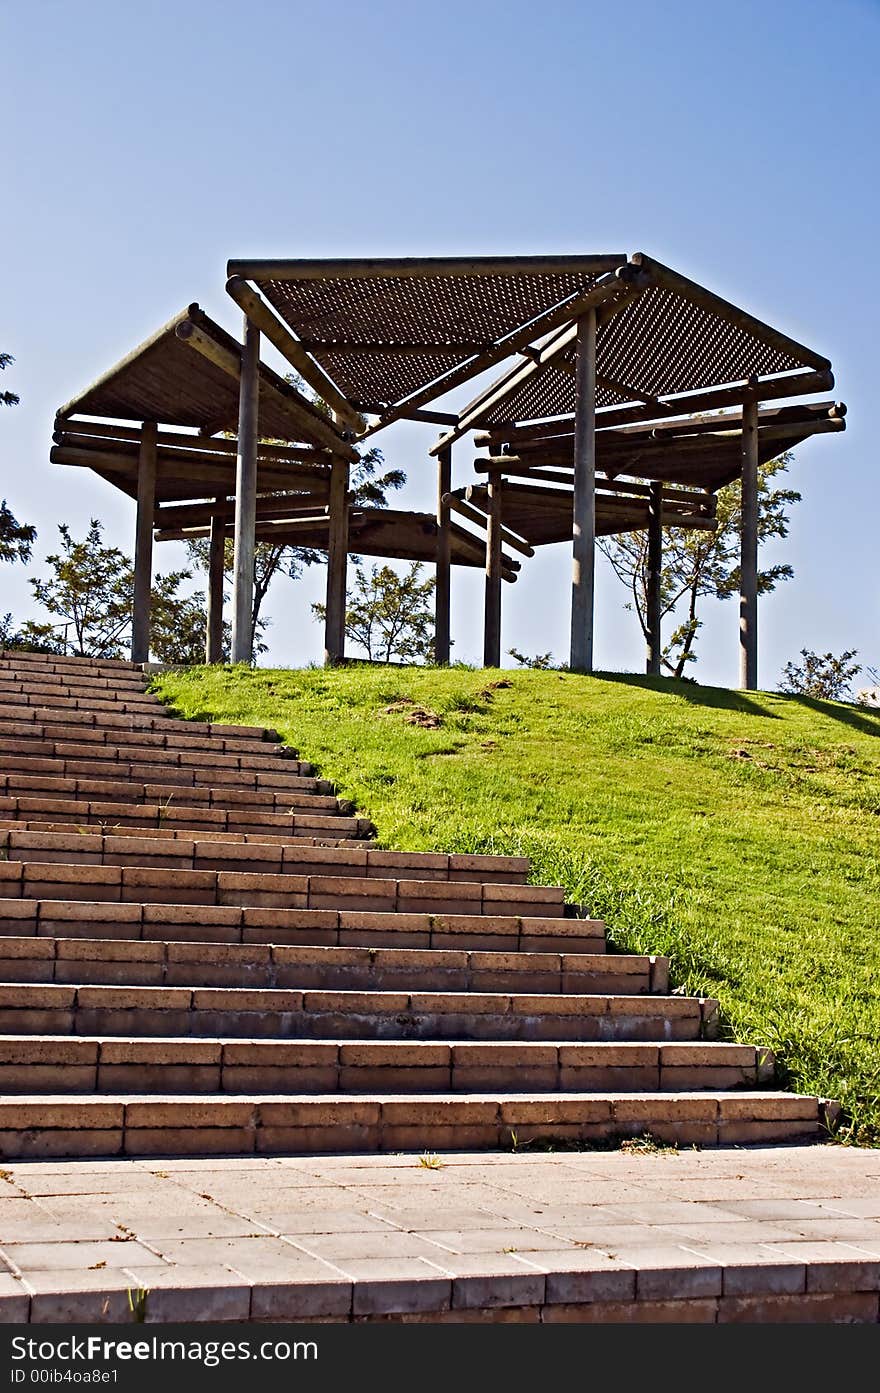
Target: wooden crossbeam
[794,384]
[278,333]
[304,423]
[606,298]
[70,431]
[731,314]
[504,348]
[420,267]
[464,507]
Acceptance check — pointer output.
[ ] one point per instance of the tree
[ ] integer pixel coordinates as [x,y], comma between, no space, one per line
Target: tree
[16,538]
[821,675]
[90,594]
[7,398]
[701,564]
[369,488]
[542,662]
[389,615]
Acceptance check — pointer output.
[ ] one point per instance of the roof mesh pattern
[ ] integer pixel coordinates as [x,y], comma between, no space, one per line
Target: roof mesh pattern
[660,343]
[433,311]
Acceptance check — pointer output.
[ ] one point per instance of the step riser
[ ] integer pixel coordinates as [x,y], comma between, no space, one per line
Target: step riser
[163,964]
[67,918]
[171,834]
[186,775]
[158,720]
[42,756]
[422,1124]
[346,1025]
[155,816]
[92,737]
[242,1071]
[60,690]
[142,791]
[21,660]
[181,854]
[127,884]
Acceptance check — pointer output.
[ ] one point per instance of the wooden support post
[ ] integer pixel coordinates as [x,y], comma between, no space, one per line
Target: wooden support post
[216,557]
[748,589]
[442,640]
[143,544]
[246,497]
[337,564]
[655,566]
[492,620]
[584,506]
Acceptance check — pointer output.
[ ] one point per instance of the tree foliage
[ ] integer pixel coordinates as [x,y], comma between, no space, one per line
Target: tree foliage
[697,565]
[16,538]
[389,616]
[89,594]
[7,398]
[826,676]
[369,488]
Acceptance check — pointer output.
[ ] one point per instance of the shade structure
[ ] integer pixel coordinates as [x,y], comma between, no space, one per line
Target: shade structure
[188,466]
[187,374]
[700,453]
[390,533]
[393,335]
[541,514]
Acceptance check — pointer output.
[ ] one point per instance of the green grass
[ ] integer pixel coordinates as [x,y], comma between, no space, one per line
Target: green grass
[739,834]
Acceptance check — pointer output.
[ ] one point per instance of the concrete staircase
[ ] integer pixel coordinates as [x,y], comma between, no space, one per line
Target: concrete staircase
[202,952]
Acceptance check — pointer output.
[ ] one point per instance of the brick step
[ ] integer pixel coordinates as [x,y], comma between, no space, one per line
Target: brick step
[204,853]
[14,682]
[197,740]
[166,962]
[200,1125]
[47,880]
[88,1064]
[181,815]
[272,760]
[19,660]
[258,792]
[172,834]
[188,923]
[205,771]
[312,1014]
[123,705]
[160,720]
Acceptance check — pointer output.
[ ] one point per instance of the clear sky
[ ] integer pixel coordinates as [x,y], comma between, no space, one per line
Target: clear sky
[736,140]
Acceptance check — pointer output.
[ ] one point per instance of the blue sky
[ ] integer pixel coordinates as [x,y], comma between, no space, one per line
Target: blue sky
[144,145]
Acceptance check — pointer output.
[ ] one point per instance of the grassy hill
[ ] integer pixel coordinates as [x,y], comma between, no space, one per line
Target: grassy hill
[740,834]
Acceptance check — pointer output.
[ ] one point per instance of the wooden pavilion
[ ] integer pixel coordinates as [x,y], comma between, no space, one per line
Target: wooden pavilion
[628,395]
[594,344]
[180,461]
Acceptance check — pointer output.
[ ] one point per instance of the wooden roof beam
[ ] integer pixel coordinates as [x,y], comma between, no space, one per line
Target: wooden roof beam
[732,314]
[630,279]
[420,267]
[304,421]
[278,333]
[466,510]
[511,343]
[793,384]
[69,430]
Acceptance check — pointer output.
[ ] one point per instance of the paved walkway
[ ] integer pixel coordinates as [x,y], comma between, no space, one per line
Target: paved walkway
[788,1233]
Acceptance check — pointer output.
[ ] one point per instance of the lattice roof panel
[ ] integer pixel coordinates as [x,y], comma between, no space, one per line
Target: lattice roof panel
[659,344]
[452,317]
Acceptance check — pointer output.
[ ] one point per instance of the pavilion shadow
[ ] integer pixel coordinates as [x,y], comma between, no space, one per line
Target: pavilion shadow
[720,697]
